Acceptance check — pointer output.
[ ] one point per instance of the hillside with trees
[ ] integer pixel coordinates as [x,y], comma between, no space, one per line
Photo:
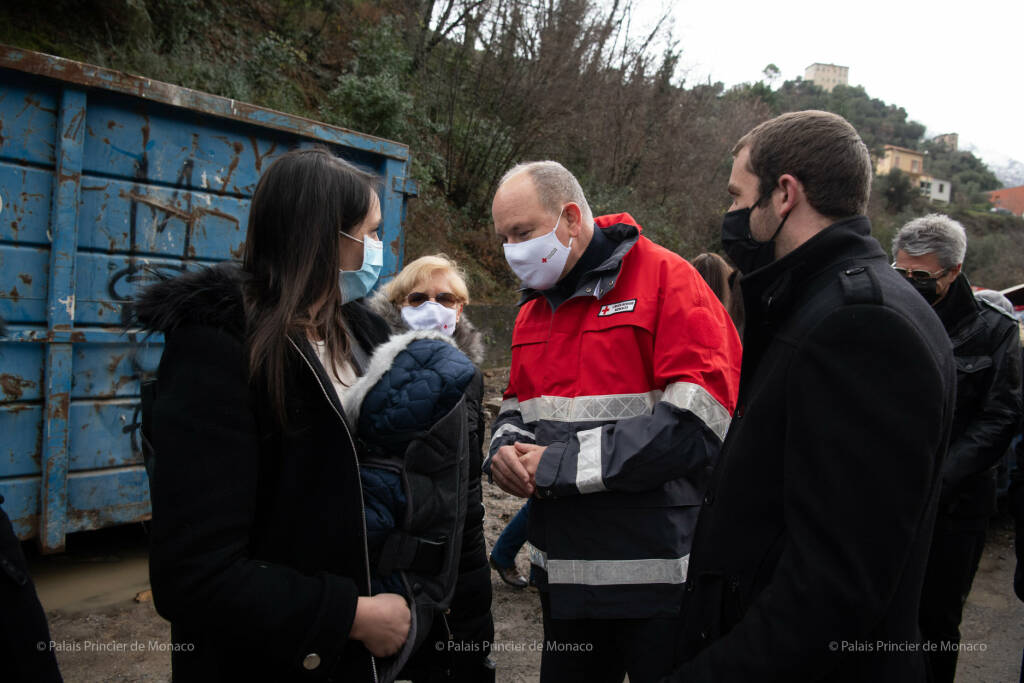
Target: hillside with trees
[474,86]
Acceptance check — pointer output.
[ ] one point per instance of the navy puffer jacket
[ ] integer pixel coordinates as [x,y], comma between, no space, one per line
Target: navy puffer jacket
[409,411]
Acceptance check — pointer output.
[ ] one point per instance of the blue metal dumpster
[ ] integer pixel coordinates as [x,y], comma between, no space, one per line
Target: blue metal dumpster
[102,175]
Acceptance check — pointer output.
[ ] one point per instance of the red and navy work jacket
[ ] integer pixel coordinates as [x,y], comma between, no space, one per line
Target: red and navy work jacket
[631,384]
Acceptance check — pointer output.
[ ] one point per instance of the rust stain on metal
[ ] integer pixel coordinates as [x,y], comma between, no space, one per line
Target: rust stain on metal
[77,337]
[237,251]
[114,362]
[231,169]
[57,407]
[75,125]
[13,294]
[395,245]
[14,386]
[260,157]
[26,278]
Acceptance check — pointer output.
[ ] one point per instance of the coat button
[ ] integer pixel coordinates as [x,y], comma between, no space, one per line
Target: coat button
[311,661]
[703,635]
[709,498]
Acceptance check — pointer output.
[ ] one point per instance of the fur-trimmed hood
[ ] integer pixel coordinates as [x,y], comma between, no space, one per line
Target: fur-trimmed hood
[467,337]
[208,296]
[426,358]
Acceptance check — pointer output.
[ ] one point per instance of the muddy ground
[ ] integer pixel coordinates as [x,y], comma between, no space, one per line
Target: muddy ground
[105,628]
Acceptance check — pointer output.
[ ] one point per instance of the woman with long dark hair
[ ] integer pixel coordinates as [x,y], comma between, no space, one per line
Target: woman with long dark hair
[258,554]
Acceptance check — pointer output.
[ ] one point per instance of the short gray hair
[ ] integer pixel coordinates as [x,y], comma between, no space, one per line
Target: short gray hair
[933,234]
[555,186]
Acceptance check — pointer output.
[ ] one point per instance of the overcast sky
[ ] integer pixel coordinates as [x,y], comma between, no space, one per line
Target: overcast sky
[956,67]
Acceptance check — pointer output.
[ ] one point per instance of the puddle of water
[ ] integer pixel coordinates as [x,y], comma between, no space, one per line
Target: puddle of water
[98,569]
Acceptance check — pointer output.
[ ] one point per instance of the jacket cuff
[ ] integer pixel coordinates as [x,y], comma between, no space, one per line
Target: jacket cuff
[327,644]
[546,476]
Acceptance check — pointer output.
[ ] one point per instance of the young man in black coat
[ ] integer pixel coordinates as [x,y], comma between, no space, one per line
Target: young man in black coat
[811,545]
[929,252]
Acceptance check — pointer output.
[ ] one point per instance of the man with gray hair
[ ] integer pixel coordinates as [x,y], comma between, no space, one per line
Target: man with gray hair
[929,253]
[624,375]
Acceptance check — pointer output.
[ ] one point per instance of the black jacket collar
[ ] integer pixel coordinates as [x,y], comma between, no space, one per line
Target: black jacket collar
[770,292]
[959,307]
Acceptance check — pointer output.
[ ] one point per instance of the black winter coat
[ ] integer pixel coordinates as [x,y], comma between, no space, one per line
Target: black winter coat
[814,535]
[469,620]
[986,346]
[258,550]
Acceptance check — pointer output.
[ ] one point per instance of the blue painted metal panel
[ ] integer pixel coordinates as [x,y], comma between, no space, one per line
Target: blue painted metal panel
[60,315]
[97,437]
[21,425]
[112,369]
[21,373]
[28,110]
[105,497]
[21,503]
[25,197]
[105,177]
[24,280]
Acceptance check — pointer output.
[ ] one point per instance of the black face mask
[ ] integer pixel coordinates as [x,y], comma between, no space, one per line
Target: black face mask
[747,253]
[927,288]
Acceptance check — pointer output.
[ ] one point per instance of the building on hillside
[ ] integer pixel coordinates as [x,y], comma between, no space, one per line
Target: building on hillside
[907,160]
[1009,198]
[950,141]
[935,189]
[827,76]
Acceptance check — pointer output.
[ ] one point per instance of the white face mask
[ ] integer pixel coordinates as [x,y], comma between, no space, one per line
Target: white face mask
[539,262]
[430,315]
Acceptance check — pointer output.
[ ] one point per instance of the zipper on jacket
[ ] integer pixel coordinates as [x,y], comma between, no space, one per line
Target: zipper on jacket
[359,481]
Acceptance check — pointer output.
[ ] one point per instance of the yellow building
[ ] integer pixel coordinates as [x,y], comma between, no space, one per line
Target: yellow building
[827,76]
[906,160]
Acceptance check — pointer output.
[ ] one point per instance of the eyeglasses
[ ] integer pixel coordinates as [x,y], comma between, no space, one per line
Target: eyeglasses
[912,274]
[446,299]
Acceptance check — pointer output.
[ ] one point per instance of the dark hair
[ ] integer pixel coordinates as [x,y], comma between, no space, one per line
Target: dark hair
[721,279]
[301,204]
[822,150]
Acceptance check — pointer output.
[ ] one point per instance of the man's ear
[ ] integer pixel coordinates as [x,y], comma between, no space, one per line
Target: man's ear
[955,270]
[790,196]
[573,218]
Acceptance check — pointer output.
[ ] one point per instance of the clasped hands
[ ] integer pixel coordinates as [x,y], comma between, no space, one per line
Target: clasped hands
[514,468]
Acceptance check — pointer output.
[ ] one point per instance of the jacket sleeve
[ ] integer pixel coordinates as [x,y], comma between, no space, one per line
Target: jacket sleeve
[508,428]
[860,483]
[205,500]
[696,358]
[988,436]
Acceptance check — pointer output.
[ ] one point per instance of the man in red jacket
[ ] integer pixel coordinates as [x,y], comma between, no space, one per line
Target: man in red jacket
[624,376]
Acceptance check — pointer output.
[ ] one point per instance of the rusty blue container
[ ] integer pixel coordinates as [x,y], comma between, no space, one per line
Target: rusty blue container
[102,175]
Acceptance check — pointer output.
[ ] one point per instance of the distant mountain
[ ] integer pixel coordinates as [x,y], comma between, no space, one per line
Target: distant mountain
[1010,174]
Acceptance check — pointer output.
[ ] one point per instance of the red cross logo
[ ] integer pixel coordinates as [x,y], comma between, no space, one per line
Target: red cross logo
[543,260]
[604,311]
